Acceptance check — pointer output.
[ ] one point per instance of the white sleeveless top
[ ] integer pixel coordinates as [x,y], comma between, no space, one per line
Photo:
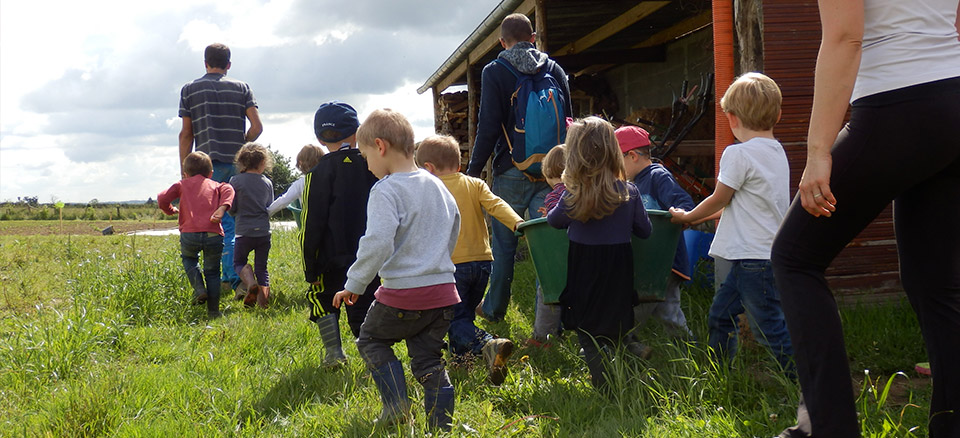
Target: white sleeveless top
[907,42]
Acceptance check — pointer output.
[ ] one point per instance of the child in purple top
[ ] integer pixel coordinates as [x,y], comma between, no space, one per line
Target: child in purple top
[600,211]
[546,321]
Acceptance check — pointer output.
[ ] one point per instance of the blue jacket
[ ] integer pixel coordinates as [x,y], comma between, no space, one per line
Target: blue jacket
[497,85]
[660,191]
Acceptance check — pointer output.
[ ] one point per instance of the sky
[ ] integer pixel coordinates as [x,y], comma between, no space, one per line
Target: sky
[89,90]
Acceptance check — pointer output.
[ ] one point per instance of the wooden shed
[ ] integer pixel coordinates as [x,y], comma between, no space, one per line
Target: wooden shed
[627,61]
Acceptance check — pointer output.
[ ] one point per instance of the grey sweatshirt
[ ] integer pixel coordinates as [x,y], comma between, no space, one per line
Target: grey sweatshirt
[254,193]
[412,228]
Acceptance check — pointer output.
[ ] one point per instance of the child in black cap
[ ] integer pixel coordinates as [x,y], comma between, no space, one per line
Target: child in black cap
[334,217]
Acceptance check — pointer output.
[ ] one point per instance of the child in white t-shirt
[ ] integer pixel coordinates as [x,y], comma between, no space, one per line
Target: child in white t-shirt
[753,192]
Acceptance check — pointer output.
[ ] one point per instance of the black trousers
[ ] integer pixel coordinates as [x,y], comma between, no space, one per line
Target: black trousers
[321,298]
[901,146]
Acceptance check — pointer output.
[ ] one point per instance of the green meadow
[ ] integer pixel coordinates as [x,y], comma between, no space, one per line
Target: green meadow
[97,338]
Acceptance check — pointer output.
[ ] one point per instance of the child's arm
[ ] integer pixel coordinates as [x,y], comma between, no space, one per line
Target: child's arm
[498,208]
[217,215]
[313,218]
[292,194]
[225,194]
[714,203]
[557,217]
[166,197]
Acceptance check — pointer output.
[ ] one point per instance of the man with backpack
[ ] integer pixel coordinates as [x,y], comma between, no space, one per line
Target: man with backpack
[524,102]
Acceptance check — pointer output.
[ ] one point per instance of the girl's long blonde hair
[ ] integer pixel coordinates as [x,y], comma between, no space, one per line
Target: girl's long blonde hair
[594,165]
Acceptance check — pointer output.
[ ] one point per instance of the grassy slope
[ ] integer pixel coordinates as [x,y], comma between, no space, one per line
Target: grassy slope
[97,338]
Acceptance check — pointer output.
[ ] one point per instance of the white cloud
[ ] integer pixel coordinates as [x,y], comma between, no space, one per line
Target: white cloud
[88,99]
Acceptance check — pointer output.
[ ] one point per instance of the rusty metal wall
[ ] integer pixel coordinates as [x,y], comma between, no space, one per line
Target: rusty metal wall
[791,36]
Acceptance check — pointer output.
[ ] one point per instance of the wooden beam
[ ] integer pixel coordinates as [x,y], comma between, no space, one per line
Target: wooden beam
[677,30]
[582,60]
[492,41]
[540,27]
[436,111]
[473,106]
[626,19]
[665,36]
[454,77]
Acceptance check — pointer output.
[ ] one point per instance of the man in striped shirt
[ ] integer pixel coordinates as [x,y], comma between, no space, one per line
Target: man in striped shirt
[214,110]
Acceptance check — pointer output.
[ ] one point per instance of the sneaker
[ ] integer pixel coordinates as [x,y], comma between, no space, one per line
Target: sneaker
[639,350]
[495,353]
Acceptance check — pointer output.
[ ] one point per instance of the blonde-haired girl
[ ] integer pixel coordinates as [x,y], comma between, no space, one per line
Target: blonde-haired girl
[600,211]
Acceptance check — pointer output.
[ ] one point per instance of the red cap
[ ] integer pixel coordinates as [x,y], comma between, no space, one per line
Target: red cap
[632,137]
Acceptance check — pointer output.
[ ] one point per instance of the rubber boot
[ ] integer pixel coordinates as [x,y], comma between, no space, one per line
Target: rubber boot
[330,336]
[393,393]
[263,298]
[246,276]
[438,404]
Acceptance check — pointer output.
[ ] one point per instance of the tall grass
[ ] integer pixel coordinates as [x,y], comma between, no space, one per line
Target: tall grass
[97,338]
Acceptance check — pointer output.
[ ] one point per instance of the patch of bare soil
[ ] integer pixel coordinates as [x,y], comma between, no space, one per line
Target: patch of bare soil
[75,227]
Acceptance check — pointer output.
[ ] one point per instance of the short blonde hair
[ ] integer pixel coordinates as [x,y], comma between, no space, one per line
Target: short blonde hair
[755,99]
[308,157]
[553,162]
[197,163]
[443,151]
[251,155]
[390,126]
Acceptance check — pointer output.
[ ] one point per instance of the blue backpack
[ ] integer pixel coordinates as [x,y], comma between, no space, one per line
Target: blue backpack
[539,120]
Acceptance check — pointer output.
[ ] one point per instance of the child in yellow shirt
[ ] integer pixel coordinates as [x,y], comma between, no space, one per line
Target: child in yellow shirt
[440,155]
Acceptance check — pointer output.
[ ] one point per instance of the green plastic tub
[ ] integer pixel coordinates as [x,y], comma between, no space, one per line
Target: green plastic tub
[295,208]
[652,257]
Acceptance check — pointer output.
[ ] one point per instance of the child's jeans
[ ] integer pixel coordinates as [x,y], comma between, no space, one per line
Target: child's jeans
[465,336]
[668,311]
[749,287]
[261,252]
[546,319]
[206,281]
[422,329]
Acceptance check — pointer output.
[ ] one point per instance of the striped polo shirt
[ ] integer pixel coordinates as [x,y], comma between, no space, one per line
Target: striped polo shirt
[217,107]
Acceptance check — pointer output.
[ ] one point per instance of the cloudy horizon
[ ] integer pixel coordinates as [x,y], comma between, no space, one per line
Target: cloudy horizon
[88,98]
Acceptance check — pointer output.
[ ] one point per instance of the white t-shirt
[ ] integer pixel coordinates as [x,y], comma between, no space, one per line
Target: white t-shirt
[292,194]
[907,42]
[758,170]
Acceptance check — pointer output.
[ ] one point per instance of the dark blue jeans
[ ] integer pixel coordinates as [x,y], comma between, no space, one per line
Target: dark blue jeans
[222,172]
[749,287]
[206,281]
[523,195]
[465,337]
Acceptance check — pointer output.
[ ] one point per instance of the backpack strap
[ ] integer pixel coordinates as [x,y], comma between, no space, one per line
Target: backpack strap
[509,67]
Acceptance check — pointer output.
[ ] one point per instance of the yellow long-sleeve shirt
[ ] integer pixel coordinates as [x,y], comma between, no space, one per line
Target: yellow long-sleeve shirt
[473,198]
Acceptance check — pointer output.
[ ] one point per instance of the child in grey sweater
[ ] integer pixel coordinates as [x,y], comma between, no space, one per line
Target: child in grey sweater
[412,228]
[254,193]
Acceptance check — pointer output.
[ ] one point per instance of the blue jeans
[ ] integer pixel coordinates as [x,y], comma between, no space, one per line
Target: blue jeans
[222,172]
[205,282]
[465,337]
[749,286]
[523,195]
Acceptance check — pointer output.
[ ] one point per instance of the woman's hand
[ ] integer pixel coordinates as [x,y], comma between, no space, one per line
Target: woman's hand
[815,194]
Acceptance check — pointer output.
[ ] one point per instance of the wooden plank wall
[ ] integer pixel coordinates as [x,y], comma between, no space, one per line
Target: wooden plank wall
[791,34]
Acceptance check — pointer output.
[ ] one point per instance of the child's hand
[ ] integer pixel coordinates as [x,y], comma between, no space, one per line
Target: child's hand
[517,225]
[344,296]
[542,210]
[175,210]
[678,215]
[217,216]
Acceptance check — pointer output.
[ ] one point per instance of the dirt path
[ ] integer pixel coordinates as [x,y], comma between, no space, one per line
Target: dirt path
[79,227]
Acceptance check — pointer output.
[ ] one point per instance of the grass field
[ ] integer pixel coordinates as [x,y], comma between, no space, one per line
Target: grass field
[97,339]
